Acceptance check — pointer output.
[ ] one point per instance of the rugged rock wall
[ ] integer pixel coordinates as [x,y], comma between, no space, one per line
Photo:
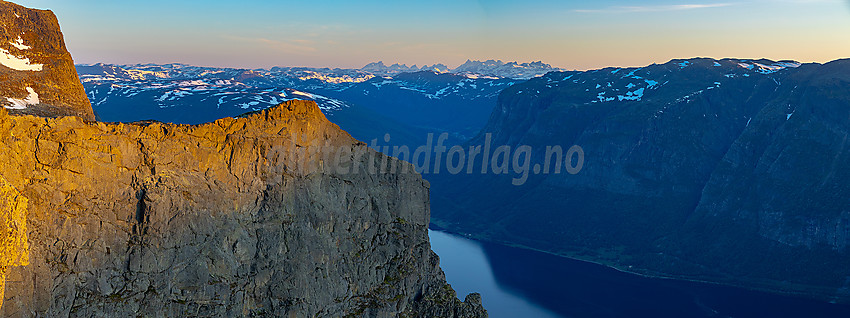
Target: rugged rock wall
[14,249]
[277,213]
[239,217]
[37,74]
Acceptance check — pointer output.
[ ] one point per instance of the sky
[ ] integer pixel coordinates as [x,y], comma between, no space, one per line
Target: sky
[349,34]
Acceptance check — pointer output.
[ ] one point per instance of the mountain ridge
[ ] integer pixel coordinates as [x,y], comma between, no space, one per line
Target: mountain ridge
[408,105]
[490,68]
[729,155]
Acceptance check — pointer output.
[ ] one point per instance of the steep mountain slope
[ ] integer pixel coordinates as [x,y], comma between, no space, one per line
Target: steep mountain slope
[275,213]
[425,101]
[721,170]
[36,71]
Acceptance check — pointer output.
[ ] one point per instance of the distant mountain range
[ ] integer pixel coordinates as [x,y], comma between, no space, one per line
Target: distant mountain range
[369,101]
[495,69]
[378,68]
[500,69]
[472,69]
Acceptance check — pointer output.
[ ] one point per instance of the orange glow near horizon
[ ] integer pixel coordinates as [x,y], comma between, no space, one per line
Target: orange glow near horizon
[572,35]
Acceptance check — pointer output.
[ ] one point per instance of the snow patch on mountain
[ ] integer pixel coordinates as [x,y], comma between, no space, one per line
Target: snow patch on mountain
[31,99]
[336,79]
[19,44]
[633,96]
[768,68]
[18,63]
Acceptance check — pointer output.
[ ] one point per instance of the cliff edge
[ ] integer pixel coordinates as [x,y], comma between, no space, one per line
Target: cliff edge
[37,74]
[276,213]
[237,217]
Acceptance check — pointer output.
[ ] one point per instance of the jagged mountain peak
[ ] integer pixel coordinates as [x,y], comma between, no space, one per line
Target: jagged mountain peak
[488,68]
[513,69]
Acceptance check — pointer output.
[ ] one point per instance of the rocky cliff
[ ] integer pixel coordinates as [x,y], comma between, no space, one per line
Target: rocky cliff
[37,74]
[276,213]
[14,250]
[235,217]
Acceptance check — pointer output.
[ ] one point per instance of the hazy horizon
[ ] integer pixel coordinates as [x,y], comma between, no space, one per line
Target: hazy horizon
[450,66]
[567,34]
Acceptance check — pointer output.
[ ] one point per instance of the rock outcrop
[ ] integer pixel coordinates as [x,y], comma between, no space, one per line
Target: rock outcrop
[236,217]
[276,213]
[37,74]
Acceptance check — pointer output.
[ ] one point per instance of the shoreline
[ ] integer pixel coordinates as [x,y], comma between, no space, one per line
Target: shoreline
[786,293]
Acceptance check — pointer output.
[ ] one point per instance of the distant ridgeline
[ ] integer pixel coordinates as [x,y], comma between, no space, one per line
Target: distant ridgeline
[730,171]
[368,105]
[223,219]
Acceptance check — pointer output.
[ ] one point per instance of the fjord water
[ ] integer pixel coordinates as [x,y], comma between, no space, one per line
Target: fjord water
[516,282]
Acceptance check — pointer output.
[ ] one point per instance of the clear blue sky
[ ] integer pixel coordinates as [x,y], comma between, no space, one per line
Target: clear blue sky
[569,34]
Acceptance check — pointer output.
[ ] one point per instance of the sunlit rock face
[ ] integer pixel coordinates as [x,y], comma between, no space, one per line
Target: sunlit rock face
[275,213]
[229,218]
[37,74]
[14,250]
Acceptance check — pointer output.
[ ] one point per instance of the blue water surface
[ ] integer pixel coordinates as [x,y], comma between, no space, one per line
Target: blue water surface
[516,282]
